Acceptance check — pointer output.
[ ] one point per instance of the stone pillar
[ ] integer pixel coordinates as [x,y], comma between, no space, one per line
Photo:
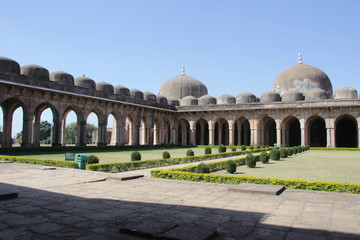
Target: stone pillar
[278,133]
[27,129]
[358,133]
[162,135]
[81,133]
[150,135]
[120,131]
[211,133]
[303,133]
[102,132]
[254,140]
[56,133]
[231,132]
[36,133]
[135,133]
[156,135]
[7,121]
[330,132]
[174,135]
[192,133]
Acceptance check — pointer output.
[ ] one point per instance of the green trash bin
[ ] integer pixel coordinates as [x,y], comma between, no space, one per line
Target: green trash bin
[82,160]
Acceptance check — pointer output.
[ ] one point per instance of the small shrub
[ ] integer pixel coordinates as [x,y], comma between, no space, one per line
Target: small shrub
[190,152]
[290,151]
[283,153]
[93,159]
[264,157]
[274,154]
[250,161]
[243,147]
[294,150]
[202,168]
[233,149]
[230,166]
[262,146]
[251,147]
[208,150]
[299,150]
[135,156]
[257,147]
[222,148]
[166,155]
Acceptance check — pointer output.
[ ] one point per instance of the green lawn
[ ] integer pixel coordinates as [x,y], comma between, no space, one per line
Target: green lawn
[124,156]
[313,165]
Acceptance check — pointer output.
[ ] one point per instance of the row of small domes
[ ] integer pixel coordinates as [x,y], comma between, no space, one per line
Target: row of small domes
[314,94]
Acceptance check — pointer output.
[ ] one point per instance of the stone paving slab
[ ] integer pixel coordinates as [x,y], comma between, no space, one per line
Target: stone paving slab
[257,188]
[148,227]
[7,192]
[189,232]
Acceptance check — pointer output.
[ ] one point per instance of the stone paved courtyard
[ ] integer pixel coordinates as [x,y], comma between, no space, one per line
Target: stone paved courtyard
[75,204]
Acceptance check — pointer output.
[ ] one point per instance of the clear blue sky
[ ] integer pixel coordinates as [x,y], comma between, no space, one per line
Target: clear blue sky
[232,46]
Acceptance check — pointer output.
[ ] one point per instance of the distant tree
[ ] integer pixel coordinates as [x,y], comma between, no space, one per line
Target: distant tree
[70,132]
[45,132]
[18,138]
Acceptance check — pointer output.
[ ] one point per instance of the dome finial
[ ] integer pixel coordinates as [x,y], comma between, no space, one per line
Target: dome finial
[183,70]
[300,59]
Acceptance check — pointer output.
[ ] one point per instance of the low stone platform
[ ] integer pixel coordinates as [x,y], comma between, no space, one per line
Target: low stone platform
[7,193]
[258,188]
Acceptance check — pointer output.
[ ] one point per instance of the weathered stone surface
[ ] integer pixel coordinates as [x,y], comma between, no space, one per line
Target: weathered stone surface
[147,227]
[189,232]
[257,188]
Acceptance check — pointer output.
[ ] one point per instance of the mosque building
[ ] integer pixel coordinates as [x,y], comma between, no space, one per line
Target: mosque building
[301,109]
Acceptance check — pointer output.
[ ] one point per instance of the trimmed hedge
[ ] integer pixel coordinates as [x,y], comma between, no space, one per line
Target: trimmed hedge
[230,166]
[230,179]
[332,149]
[136,165]
[44,162]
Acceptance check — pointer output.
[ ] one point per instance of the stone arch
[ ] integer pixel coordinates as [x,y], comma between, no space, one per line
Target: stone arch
[291,131]
[221,132]
[97,137]
[144,130]
[267,133]
[242,132]
[55,125]
[346,131]
[8,107]
[79,120]
[184,132]
[201,132]
[169,135]
[159,131]
[316,129]
[130,130]
[113,137]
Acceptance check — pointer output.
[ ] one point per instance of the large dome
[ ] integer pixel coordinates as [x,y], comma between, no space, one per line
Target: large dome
[303,78]
[181,86]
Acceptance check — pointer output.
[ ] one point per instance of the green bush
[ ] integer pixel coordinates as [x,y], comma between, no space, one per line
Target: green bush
[264,157]
[166,155]
[283,153]
[43,162]
[290,151]
[208,150]
[222,148]
[257,147]
[243,148]
[230,166]
[135,156]
[202,168]
[190,153]
[262,146]
[299,149]
[250,161]
[251,147]
[274,154]
[233,149]
[294,150]
[92,159]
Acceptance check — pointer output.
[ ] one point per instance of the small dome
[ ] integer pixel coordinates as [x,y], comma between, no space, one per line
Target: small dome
[9,65]
[225,99]
[292,96]
[105,87]
[149,96]
[303,78]
[173,102]
[62,77]
[316,94]
[121,90]
[206,100]
[161,99]
[270,96]
[188,100]
[85,82]
[35,71]
[245,97]
[345,93]
[135,93]
[181,86]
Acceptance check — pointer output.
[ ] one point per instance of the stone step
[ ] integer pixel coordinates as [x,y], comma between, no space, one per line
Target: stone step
[257,188]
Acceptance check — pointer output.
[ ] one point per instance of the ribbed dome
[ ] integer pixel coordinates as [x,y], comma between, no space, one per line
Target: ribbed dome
[188,100]
[225,99]
[62,77]
[35,71]
[316,94]
[303,78]
[121,90]
[105,87]
[245,97]
[85,82]
[135,93]
[9,65]
[270,96]
[345,93]
[206,100]
[161,99]
[181,86]
[149,96]
[292,96]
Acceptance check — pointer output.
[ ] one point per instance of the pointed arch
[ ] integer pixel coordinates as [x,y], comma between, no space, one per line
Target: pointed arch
[316,131]
[291,131]
[242,131]
[221,132]
[267,133]
[201,132]
[183,132]
[346,131]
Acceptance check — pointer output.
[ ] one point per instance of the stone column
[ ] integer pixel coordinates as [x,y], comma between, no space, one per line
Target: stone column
[211,133]
[174,135]
[192,133]
[27,129]
[231,132]
[120,132]
[156,135]
[36,133]
[303,133]
[7,121]
[135,132]
[150,136]
[162,135]
[278,132]
[254,132]
[358,133]
[330,132]
[81,133]
[102,132]
[56,133]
